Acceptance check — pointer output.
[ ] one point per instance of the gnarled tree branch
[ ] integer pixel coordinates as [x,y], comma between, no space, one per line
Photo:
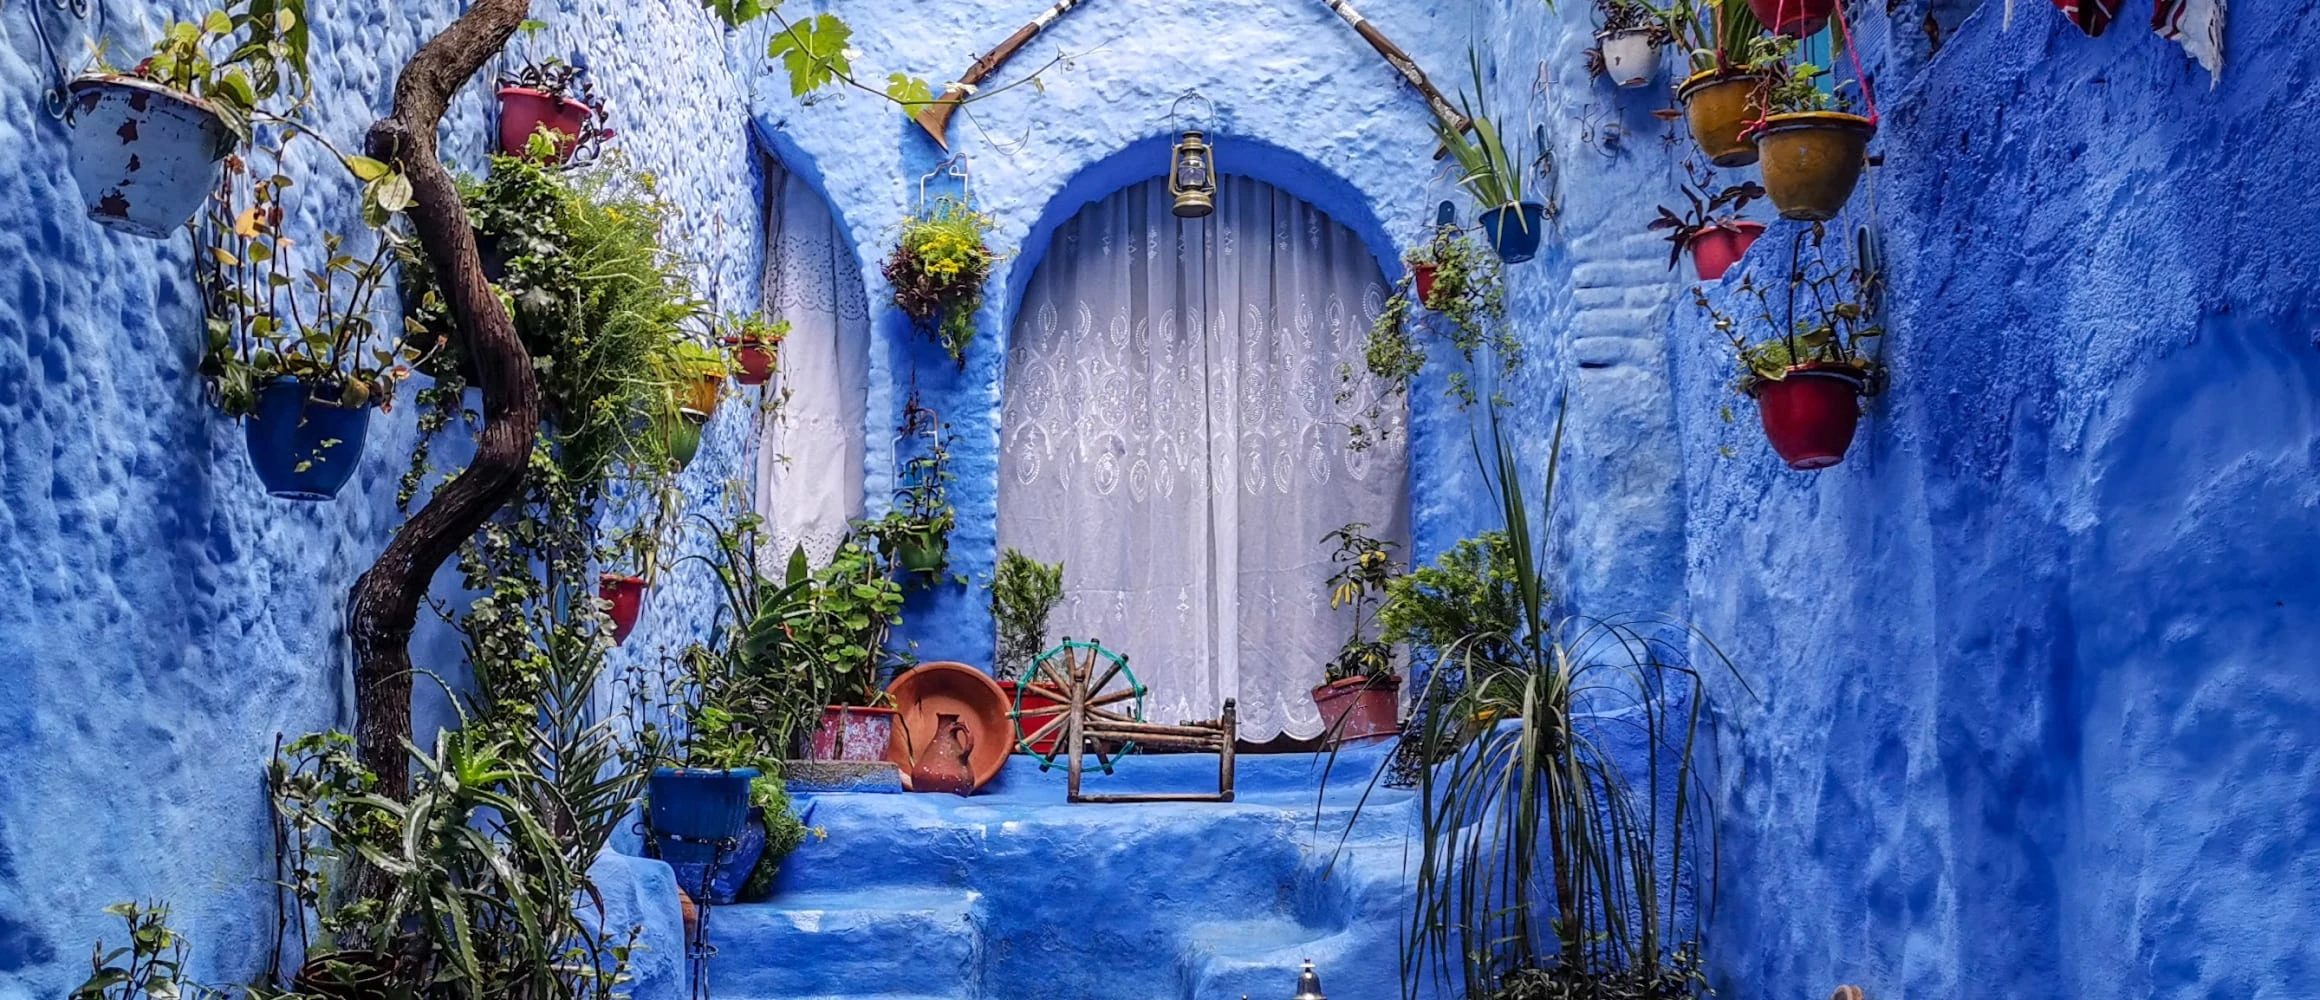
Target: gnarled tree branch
[384,605]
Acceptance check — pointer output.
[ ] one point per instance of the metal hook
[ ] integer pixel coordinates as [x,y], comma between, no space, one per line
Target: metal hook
[956,166]
[1207,113]
[59,97]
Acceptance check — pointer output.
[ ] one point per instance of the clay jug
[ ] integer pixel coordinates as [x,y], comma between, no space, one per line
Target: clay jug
[943,766]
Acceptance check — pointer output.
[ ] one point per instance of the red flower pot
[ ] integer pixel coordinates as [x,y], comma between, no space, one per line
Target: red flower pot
[1424,274]
[1716,248]
[523,110]
[752,360]
[626,594]
[1810,415]
[1033,717]
[854,733]
[1358,708]
[1795,18]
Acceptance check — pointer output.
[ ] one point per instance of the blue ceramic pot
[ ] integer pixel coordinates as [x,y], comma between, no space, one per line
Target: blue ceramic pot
[1515,230]
[304,445]
[693,859]
[698,803]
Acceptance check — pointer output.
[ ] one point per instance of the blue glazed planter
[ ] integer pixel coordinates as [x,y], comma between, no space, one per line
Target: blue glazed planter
[304,448]
[1515,234]
[698,803]
[692,860]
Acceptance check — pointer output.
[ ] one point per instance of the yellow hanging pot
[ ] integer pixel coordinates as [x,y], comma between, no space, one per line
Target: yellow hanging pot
[1719,105]
[1811,161]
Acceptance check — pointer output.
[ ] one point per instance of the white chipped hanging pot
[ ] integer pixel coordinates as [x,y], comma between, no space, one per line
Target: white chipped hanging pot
[145,156]
[1630,56]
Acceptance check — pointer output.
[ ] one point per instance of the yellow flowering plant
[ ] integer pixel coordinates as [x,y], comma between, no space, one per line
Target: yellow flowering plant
[938,268]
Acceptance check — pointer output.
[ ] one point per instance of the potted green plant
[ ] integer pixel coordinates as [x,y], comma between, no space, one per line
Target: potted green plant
[1712,228]
[1465,304]
[1627,46]
[552,96]
[147,144]
[914,534]
[1812,365]
[1811,147]
[756,345]
[1733,61]
[1024,593]
[293,348]
[1493,177]
[829,627]
[937,271]
[1359,696]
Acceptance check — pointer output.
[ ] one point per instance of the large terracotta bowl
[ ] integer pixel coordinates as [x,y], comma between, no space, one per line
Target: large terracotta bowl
[944,688]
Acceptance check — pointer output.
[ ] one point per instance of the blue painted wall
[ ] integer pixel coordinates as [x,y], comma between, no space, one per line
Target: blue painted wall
[167,618]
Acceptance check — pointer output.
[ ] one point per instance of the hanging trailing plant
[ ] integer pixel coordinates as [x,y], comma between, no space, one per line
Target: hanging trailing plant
[914,534]
[1462,287]
[1810,359]
[938,269]
[550,99]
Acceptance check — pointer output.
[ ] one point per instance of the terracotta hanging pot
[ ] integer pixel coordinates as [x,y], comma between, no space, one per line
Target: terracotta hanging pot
[1422,275]
[522,111]
[626,595]
[753,359]
[1810,416]
[1630,55]
[145,156]
[1718,247]
[692,912]
[1794,18]
[1811,161]
[1358,708]
[707,390]
[1719,106]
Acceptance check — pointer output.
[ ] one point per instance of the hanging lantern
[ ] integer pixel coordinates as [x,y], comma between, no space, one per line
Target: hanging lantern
[1192,167]
[1308,984]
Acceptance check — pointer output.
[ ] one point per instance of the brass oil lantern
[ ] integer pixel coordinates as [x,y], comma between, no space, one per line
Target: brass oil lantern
[1192,166]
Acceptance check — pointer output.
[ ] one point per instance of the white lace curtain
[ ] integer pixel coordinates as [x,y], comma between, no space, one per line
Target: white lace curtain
[809,455]
[1172,435]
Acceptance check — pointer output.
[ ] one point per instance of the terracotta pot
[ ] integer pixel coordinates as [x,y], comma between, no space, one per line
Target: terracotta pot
[145,156]
[854,733]
[346,975]
[930,691]
[1719,107]
[943,766]
[754,359]
[1358,708]
[626,594]
[1794,18]
[1716,248]
[705,392]
[1032,712]
[522,111]
[1630,55]
[1810,416]
[1422,275]
[692,912]
[1811,161]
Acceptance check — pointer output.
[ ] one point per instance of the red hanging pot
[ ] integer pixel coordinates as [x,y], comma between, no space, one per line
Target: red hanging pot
[626,595]
[1424,275]
[522,111]
[1794,18]
[753,360]
[1810,416]
[1716,248]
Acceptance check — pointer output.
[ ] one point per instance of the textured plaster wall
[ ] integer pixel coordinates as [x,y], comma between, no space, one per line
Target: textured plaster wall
[167,618]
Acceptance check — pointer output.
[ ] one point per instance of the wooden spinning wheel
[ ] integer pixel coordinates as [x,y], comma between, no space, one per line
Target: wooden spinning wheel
[1043,699]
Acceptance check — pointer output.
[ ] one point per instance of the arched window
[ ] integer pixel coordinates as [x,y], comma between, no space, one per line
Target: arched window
[1174,434]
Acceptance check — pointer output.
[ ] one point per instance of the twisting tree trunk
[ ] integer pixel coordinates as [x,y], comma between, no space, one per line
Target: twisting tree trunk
[385,603]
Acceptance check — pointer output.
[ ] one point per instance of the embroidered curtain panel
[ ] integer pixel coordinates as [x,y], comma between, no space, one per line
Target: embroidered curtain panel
[1172,434]
[809,455]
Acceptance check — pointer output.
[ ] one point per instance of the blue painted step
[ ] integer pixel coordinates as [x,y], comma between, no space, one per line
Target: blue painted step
[891,943]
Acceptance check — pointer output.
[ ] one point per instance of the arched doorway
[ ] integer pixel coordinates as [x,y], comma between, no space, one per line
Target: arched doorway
[810,445]
[1174,434]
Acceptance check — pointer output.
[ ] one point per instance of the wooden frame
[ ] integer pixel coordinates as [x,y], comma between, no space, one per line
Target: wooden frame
[1091,724]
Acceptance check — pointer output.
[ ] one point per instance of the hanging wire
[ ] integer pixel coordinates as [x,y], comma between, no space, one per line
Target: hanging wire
[959,165]
[59,96]
[1207,113]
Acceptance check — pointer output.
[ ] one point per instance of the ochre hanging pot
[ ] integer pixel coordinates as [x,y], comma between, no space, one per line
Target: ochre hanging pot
[1719,105]
[1811,161]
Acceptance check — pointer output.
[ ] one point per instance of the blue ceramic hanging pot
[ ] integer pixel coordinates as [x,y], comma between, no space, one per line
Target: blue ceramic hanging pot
[699,803]
[304,445]
[700,868]
[1515,230]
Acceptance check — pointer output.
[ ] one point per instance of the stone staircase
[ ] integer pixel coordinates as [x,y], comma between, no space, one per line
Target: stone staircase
[1016,895]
